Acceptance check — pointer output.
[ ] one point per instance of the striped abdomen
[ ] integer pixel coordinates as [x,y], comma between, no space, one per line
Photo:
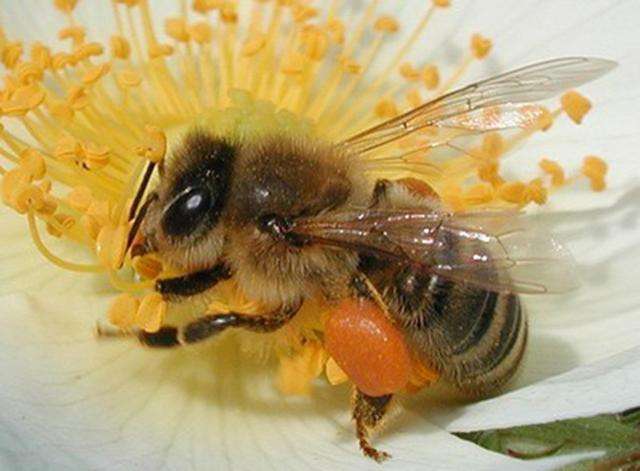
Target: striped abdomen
[474,338]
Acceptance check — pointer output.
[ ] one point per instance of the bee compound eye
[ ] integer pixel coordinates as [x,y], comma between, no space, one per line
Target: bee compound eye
[187,211]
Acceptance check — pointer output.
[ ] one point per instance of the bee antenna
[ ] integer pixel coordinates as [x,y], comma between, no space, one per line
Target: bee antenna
[141,189]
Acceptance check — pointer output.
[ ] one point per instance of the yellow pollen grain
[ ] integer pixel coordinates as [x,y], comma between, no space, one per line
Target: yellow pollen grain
[201,32]
[302,13]
[409,72]
[32,163]
[480,46]
[414,98]
[513,192]
[11,54]
[479,193]
[151,312]
[430,77]
[298,370]
[147,266]
[65,5]
[75,33]
[336,30]
[205,6]
[176,28]
[575,105]
[154,146]
[254,44]
[554,170]
[493,146]
[315,42]
[120,47]
[386,109]
[335,375]
[595,169]
[545,121]
[536,192]
[489,172]
[386,24]
[228,13]
[122,312]
[41,55]
[442,3]
[64,221]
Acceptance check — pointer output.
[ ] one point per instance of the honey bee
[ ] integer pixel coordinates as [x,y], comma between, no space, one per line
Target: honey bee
[292,218]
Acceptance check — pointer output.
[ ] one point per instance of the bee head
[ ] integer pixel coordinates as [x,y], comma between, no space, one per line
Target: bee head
[182,222]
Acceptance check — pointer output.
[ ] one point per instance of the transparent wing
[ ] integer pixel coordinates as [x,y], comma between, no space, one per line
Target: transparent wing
[496,251]
[491,104]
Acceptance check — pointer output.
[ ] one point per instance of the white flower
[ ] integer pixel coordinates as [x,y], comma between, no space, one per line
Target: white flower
[68,401]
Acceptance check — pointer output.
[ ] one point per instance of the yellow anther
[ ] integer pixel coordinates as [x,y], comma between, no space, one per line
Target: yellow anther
[414,98]
[452,196]
[60,110]
[430,77]
[386,109]
[128,78]
[122,312]
[314,42]
[41,55]
[575,105]
[75,33]
[205,6]
[154,146]
[492,146]
[28,72]
[489,172]
[68,149]
[66,221]
[480,193]
[545,121]
[11,54]
[409,72]
[176,28]
[441,3]
[80,198]
[151,312]
[120,47]
[88,50]
[95,73]
[480,46]
[129,3]
[350,66]
[335,374]
[201,32]
[513,192]
[111,245]
[96,156]
[554,170]
[61,60]
[302,13]
[13,182]
[24,99]
[29,197]
[536,192]
[65,5]
[32,163]
[147,266]
[293,64]
[296,372]
[228,13]
[77,97]
[336,30]
[160,50]
[595,169]
[386,24]
[253,44]
[46,185]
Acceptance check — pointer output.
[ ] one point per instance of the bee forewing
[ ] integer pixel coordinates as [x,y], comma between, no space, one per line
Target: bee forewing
[497,251]
[459,108]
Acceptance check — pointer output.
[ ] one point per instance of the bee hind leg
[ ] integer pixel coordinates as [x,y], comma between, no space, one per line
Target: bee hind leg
[368,413]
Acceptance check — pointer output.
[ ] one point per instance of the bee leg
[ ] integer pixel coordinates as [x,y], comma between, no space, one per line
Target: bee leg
[193,283]
[208,326]
[379,192]
[368,412]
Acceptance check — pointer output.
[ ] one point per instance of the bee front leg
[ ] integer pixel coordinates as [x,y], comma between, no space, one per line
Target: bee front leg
[368,412]
[193,283]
